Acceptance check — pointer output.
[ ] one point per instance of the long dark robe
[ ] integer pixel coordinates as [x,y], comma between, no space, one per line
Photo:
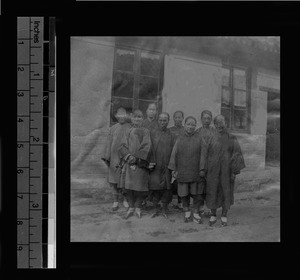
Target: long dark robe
[136,142]
[177,130]
[150,125]
[206,133]
[162,145]
[113,143]
[224,157]
[188,157]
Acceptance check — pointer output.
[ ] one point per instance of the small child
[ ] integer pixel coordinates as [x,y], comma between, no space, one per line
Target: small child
[188,162]
[111,157]
[134,151]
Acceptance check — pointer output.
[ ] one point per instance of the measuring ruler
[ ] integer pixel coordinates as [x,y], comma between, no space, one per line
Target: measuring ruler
[35,114]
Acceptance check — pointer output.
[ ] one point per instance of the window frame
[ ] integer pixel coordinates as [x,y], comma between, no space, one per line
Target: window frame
[232,89]
[137,76]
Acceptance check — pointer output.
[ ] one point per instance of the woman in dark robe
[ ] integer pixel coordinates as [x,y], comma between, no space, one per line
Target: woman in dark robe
[160,178]
[134,152]
[177,130]
[188,162]
[206,131]
[224,162]
[150,122]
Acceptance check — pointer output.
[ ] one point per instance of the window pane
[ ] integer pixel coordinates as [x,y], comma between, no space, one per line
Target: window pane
[124,60]
[239,79]
[225,77]
[150,64]
[120,102]
[240,119]
[123,85]
[240,98]
[225,97]
[226,113]
[148,88]
[143,105]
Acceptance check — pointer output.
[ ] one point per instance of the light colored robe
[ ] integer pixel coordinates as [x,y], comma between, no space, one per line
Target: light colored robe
[136,142]
[113,143]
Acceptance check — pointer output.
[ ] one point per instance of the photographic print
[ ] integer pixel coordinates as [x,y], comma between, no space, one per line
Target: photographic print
[175,139]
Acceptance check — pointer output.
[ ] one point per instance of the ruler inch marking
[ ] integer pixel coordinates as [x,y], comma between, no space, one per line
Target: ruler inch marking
[39,81]
[34,55]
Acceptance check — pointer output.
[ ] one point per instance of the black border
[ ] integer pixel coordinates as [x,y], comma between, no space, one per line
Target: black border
[243,260]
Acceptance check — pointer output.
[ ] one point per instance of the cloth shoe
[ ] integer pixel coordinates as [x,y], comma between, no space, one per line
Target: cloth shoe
[197,218]
[164,213]
[187,216]
[224,221]
[138,213]
[212,220]
[129,213]
[115,206]
[179,206]
[155,214]
[125,204]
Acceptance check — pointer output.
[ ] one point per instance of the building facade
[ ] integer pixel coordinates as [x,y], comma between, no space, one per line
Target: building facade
[232,76]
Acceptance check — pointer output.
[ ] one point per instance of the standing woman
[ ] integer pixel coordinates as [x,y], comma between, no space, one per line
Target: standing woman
[134,151]
[150,122]
[188,162]
[112,158]
[206,131]
[224,162]
[160,178]
[177,129]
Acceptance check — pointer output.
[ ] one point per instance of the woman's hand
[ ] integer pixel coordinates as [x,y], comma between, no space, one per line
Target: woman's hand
[131,159]
[202,173]
[174,174]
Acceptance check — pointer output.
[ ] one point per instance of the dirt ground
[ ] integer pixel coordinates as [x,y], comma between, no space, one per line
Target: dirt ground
[255,216]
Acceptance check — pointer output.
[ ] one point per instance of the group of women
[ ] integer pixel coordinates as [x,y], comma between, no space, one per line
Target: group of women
[149,162]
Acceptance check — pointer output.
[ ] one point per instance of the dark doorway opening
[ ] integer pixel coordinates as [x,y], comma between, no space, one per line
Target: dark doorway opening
[273,129]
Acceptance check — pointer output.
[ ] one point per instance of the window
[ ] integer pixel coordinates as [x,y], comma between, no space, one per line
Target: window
[235,98]
[136,80]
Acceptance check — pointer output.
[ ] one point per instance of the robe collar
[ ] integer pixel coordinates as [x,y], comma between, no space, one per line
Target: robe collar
[189,135]
[178,126]
[150,120]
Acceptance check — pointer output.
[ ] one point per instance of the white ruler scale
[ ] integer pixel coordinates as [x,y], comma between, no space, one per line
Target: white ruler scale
[35,142]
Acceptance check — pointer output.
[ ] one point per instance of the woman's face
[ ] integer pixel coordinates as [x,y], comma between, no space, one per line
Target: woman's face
[121,116]
[178,118]
[151,111]
[137,120]
[190,126]
[206,120]
[220,125]
[163,121]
